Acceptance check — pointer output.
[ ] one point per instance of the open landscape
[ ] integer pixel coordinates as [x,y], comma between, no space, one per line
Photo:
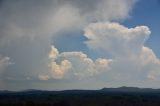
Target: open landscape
[123,96]
[79,52]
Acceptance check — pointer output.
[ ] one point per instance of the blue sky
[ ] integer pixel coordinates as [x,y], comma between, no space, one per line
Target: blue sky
[147,13]
[73,44]
[144,13]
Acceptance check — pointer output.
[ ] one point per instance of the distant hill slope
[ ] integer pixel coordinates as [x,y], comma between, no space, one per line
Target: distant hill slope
[131,89]
[120,89]
[122,96]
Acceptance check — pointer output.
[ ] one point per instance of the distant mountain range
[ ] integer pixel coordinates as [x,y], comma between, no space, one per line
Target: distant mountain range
[122,96]
[120,89]
[130,89]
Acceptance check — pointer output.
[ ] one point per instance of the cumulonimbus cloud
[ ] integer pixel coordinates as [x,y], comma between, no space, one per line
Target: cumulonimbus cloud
[116,38]
[28,19]
[126,45]
[29,26]
[75,64]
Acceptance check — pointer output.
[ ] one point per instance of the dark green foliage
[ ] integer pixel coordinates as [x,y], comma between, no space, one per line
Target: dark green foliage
[80,98]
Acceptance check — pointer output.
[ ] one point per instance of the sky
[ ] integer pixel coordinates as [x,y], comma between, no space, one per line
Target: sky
[75,44]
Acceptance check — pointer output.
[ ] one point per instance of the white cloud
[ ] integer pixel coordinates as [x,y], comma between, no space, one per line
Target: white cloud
[28,19]
[59,70]
[154,75]
[43,77]
[126,45]
[27,27]
[53,53]
[106,11]
[115,38]
[75,64]
[4,62]
[148,56]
